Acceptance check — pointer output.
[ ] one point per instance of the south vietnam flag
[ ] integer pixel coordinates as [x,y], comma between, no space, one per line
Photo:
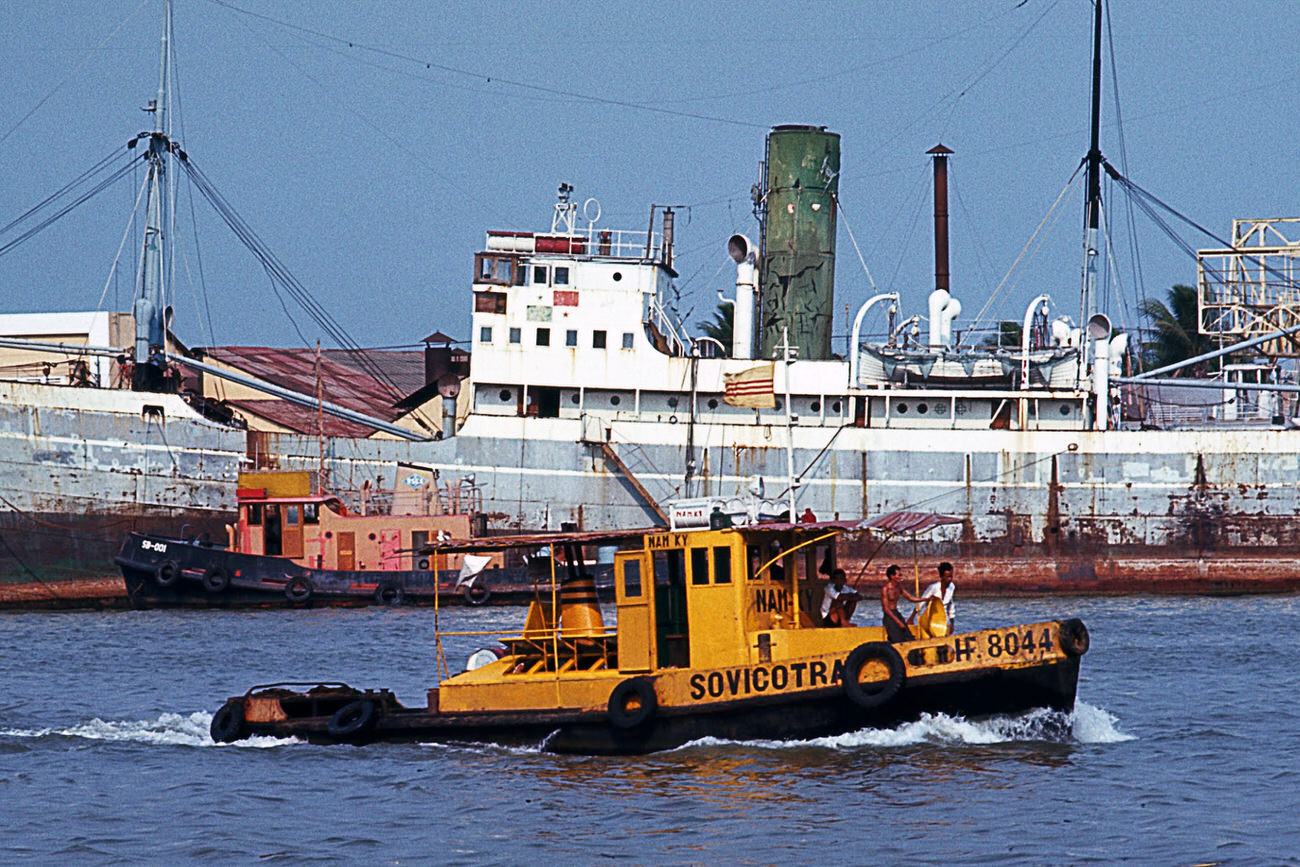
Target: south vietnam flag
[754,387]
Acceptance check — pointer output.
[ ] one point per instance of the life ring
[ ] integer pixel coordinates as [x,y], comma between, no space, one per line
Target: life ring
[390,593]
[876,691]
[228,723]
[299,589]
[352,719]
[216,579]
[476,593]
[167,573]
[633,703]
[1073,636]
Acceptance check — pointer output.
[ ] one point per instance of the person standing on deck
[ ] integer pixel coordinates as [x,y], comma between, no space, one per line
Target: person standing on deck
[942,590]
[893,588]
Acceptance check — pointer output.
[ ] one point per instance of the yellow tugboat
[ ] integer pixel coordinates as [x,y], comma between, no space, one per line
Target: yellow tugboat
[719,633]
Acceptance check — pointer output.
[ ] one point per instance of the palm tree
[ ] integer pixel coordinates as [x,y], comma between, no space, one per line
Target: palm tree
[721,326]
[1177,330]
[1009,334]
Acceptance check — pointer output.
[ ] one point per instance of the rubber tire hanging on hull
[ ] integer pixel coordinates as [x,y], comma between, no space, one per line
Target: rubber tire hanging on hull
[476,593]
[216,580]
[228,723]
[874,694]
[1074,638]
[167,573]
[633,703]
[390,594]
[354,718]
[299,589]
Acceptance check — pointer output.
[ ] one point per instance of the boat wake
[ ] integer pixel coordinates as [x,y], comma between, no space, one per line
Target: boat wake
[169,729]
[1086,725]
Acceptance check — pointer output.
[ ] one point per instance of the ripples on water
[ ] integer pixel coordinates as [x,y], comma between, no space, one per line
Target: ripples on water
[1183,748]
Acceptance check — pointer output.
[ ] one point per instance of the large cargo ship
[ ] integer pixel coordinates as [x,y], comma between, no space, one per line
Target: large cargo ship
[587,402]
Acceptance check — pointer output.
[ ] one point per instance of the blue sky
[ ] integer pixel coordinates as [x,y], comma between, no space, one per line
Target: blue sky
[373,170]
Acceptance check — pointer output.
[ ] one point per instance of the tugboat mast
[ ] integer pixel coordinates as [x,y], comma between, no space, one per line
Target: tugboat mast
[1092,207]
[149,308]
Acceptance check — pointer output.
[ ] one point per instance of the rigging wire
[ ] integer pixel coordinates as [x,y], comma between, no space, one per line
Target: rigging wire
[104,184]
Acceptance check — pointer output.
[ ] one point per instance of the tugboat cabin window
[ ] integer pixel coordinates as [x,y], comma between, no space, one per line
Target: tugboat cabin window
[699,565]
[489,302]
[722,565]
[670,568]
[597,340]
[255,515]
[543,337]
[310,513]
[496,269]
[291,515]
[631,578]
[561,276]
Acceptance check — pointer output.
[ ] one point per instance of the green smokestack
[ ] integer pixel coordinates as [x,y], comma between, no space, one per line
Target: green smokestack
[798,282]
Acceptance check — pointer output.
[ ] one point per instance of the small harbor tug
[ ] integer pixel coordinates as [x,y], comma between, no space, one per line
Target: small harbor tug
[291,545]
[718,633]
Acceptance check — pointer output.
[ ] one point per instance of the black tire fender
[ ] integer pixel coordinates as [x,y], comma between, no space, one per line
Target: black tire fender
[299,589]
[633,703]
[476,592]
[875,692]
[228,723]
[354,718]
[1073,637]
[167,573]
[390,593]
[216,579]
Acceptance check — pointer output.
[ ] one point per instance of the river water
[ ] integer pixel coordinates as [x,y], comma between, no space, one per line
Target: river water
[1184,748]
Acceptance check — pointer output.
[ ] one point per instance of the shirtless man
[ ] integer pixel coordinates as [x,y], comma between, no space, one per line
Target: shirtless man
[893,588]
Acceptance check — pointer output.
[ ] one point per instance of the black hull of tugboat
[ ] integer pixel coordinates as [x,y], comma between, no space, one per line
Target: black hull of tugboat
[165,572]
[824,713]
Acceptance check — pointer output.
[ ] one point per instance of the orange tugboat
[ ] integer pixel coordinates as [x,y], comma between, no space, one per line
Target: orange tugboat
[718,633]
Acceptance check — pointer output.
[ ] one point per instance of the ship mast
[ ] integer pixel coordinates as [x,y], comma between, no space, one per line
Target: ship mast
[1092,207]
[149,309]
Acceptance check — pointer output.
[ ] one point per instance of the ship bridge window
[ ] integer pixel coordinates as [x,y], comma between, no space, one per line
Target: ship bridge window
[570,338]
[722,565]
[627,340]
[597,340]
[485,334]
[699,565]
[310,513]
[516,335]
[489,302]
[496,269]
[561,276]
[543,337]
[540,275]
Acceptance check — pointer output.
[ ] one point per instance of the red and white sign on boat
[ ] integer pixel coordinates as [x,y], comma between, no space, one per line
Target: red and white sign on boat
[754,387]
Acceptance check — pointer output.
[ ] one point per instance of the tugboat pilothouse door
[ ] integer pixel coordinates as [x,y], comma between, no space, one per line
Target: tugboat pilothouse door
[632,589]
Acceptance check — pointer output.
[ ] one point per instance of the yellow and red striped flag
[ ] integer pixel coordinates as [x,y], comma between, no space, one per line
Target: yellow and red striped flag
[754,387]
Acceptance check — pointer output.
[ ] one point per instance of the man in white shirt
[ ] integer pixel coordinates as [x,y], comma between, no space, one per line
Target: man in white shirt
[838,601]
[943,591]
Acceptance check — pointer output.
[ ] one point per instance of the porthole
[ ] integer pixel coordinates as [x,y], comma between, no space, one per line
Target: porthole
[835,407]
[672,402]
[815,406]
[1065,409]
[615,400]
[901,409]
[504,395]
[372,537]
[573,399]
[780,405]
[922,409]
[713,403]
[941,409]
[618,275]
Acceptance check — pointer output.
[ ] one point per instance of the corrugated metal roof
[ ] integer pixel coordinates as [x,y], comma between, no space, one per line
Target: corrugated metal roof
[343,381]
[908,522]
